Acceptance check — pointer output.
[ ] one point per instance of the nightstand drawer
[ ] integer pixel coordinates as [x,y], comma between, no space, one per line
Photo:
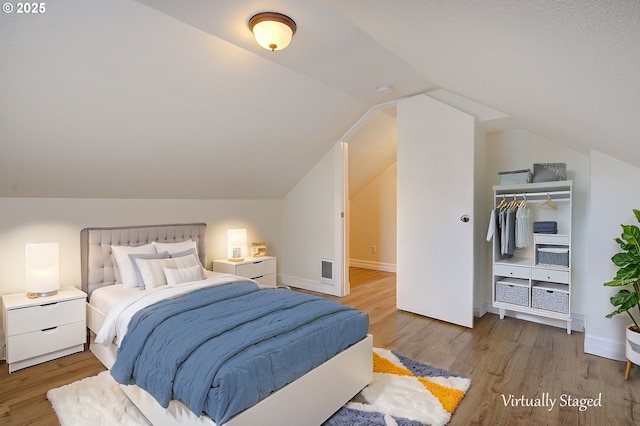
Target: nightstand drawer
[28,345]
[269,279]
[39,317]
[257,268]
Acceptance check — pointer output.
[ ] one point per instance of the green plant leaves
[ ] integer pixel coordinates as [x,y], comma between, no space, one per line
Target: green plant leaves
[628,262]
[624,300]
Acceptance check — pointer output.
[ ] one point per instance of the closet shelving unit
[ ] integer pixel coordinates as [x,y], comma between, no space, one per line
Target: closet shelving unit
[528,282]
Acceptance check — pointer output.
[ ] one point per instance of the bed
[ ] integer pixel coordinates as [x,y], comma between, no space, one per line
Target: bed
[309,399]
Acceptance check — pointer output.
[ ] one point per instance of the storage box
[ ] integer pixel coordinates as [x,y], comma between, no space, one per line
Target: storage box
[549,172]
[515,177]
[550,300]
[512,290]
[553,256]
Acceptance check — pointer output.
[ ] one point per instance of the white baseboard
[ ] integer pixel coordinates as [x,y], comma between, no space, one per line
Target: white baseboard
[310,285]
[479,311]
[376,266]
[577,323]
[604,347]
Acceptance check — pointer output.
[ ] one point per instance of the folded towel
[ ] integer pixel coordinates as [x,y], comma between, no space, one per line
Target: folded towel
[545,227]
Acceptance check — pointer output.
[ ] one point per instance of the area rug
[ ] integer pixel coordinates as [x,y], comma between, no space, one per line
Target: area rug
[404,392]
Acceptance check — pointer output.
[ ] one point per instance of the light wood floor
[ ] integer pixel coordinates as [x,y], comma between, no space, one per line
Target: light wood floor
[502,357]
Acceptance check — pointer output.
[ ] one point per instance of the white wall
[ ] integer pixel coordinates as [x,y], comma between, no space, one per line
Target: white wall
[614,193]
[519,149]
[27,220]
[308,227]
[372,221]
[481,268]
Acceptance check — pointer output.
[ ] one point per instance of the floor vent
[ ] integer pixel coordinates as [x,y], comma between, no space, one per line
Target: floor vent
[327,271]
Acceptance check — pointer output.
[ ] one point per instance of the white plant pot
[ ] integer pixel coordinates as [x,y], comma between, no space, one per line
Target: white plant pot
[633,346]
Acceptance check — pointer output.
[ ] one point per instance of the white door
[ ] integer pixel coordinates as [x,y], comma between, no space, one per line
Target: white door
[435,205]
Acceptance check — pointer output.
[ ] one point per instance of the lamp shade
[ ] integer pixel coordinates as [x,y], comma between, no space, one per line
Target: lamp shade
[273,31]
[42,268]
[236,244]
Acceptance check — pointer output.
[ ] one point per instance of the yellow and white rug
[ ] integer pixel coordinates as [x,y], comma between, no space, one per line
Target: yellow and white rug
[404,392]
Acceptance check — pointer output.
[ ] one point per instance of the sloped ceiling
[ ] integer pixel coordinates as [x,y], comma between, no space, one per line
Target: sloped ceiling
[168,99]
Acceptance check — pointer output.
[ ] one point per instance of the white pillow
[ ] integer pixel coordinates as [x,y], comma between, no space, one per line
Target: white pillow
[139,282]
[175,247]
[195,253]
[125,267]
[152,272]
[182,275]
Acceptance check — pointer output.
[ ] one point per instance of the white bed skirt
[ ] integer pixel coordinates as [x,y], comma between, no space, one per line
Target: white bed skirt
[309,400]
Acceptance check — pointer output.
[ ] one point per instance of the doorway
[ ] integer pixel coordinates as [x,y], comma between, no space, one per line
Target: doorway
[371,237]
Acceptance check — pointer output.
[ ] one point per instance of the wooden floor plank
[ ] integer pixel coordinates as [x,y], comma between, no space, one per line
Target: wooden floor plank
[501,357]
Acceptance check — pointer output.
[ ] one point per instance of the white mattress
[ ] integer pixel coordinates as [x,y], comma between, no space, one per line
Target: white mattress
[105,298]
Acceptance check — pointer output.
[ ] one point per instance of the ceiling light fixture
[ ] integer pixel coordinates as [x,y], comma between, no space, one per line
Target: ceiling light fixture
[272,30]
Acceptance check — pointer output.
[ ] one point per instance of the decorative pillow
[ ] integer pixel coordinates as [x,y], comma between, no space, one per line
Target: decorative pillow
[182,275]
[139,281]
[116,270]
[125,266]
[175,247]
[192,251]
[152,273]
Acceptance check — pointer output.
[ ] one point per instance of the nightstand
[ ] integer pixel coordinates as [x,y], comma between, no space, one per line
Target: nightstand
[45,328]
[261,269]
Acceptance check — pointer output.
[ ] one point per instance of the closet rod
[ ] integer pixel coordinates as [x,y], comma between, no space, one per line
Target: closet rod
[534,194]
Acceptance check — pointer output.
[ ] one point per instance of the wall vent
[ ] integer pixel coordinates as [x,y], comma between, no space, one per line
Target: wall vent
[327,271]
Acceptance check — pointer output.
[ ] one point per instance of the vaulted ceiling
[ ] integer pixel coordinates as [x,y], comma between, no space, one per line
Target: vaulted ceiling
[172,99]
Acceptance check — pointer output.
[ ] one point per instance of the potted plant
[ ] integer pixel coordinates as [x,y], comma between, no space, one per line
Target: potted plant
[627,299]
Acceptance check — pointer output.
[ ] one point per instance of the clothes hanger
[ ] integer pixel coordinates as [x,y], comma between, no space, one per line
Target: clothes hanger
[548,204]
[502,203]
[523,203]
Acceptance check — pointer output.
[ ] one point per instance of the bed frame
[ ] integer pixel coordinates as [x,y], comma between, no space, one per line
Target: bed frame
[309,400]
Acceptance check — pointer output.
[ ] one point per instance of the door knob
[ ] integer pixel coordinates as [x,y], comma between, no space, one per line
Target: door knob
[464,218]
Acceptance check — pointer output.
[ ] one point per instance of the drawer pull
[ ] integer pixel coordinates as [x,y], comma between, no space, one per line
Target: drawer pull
[49,305]
[48,329]
[255,278]
[259,261]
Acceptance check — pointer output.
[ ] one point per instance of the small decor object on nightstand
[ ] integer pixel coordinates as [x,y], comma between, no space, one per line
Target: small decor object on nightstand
[258,249]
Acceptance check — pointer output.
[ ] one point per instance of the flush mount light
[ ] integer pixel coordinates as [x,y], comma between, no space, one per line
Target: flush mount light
[272,30]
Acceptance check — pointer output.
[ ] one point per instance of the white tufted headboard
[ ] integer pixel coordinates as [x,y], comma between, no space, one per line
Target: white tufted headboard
[95,247]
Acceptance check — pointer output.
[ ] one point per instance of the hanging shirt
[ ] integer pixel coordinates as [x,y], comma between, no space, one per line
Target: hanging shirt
[524,229]
[493,224]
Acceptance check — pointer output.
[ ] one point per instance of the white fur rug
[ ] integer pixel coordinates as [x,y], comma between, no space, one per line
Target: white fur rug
[92,401]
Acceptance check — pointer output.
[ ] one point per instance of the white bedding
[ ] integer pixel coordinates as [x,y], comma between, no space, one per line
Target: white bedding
[122,310]
[104,298]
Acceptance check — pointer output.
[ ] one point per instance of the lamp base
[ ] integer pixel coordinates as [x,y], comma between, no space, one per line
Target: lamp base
[235,259]
[32,295]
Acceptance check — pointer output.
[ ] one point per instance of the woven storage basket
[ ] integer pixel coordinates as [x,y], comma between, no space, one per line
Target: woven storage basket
[511,290]
[550,300]
[553,256]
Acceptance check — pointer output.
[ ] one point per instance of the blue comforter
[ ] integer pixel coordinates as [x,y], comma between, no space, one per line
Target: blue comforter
[222,349]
